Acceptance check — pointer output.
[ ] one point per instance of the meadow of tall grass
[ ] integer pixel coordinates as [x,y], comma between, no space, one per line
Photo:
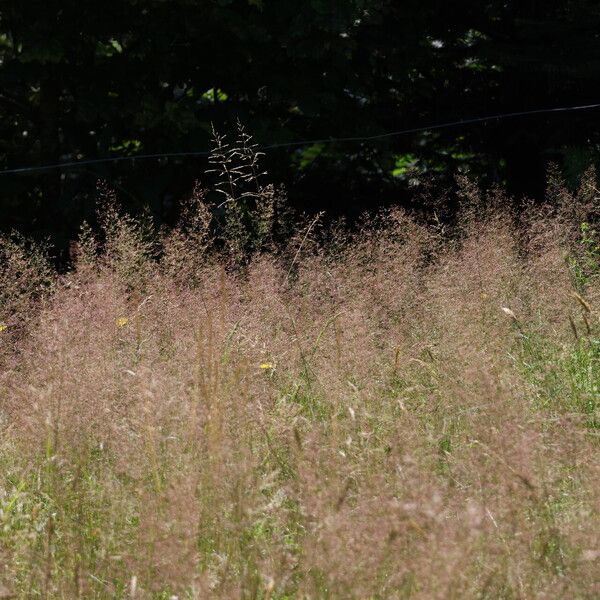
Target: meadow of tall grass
[403,410]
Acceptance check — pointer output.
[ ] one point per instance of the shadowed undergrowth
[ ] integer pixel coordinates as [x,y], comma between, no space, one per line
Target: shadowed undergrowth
[398,412]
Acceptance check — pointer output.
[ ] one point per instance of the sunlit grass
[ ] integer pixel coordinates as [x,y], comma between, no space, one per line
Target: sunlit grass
[379,421]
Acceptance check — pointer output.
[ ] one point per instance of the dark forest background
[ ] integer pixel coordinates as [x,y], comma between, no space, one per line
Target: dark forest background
[92,80]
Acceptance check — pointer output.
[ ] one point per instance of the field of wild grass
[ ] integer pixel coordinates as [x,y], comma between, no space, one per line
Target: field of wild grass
[403,411]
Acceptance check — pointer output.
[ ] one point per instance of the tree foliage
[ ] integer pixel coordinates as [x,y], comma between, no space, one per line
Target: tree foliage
[88,79]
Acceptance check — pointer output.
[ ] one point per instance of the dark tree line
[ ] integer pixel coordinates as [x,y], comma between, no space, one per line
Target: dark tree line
[88,79]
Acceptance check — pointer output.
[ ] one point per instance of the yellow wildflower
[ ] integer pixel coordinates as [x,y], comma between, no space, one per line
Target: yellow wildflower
[3,326]
[122,321]
[266,365]
[484,296]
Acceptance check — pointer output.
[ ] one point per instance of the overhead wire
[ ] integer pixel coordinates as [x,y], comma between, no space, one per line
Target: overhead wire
[301,143]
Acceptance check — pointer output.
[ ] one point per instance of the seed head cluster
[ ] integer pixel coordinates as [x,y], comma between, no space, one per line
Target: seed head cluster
[399,410]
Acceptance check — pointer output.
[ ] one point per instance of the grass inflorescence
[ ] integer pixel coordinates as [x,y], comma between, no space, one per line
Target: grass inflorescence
[401,411]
